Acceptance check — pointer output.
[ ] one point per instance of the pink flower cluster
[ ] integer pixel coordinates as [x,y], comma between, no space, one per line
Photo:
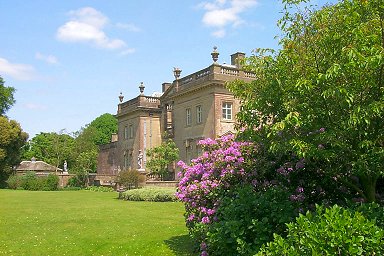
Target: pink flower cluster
[202,183]
[220,166]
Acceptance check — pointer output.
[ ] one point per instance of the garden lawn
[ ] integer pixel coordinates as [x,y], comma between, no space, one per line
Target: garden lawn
[89,223]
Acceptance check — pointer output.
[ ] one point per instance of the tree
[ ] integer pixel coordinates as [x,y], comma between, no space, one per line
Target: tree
[12,138]
[53,148]
[104,125]
[6,97]
[321,96]
[85,150]
[161,157]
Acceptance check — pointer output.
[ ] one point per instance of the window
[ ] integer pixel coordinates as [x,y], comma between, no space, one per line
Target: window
[199,114]
[127,159]
[227,110]
[130,131]
[125,132]
[188,116]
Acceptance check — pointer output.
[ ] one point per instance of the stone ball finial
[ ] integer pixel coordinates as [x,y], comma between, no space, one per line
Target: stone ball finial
[215,54]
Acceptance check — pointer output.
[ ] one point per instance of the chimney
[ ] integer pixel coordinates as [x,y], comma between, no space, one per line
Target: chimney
[236,59]
[165,86]
[114,137]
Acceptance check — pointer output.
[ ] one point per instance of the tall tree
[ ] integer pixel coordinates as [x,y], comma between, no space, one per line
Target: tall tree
[12,138]
[87,140]
[104,125]
[85,150]
[321,96]
[6,97]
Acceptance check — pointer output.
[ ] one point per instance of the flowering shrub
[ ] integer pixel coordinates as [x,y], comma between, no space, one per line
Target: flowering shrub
[247,219]
[209,178]
[236,194]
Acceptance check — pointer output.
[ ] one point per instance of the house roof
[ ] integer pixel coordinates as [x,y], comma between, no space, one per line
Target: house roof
[36,166]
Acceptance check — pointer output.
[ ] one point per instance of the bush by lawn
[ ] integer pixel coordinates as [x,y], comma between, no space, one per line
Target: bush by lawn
[154,194]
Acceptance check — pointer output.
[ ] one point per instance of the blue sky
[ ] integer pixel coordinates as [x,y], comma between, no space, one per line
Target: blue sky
[69,60]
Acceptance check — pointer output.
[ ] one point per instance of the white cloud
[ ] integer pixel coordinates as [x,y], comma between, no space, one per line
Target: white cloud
[50,59]
[219,33]
[222,13]
[16,70]
[128,26]
[86,25]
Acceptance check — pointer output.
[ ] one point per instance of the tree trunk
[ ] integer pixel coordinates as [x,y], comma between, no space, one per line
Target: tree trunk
[368,184]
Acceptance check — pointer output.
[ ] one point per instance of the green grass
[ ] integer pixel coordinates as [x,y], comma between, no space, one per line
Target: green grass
[89,223]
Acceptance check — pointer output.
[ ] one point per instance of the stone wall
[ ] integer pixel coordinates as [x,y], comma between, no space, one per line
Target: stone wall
[107,160]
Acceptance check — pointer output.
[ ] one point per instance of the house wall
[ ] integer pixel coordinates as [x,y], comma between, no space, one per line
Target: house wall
[151,117]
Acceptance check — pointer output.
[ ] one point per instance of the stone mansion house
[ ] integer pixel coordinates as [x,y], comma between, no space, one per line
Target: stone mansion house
[191,108]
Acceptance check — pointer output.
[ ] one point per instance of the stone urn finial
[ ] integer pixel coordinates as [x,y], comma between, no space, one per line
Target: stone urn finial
[215,54]
[121,97]
[176,73]
[141,87]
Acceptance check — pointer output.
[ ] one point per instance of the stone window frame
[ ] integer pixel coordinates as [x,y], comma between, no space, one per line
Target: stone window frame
[188,117]
[199,114]
[126,132]
[227,110]
[130,131]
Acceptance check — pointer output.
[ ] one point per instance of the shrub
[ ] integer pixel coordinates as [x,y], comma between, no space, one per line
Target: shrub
[14,182]
[248,219]
[372,211]
[100,189]
[51,182]
[150,194]
[210,178]
[79,180]
[29,181]
[130,178]
[332,231]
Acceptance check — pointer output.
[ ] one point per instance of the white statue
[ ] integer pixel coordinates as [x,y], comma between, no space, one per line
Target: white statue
[140,160]
[65,166]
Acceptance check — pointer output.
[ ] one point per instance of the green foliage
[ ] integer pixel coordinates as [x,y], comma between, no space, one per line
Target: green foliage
[150,194]
[333,231]
[30,181]
[79,180]
[104,126]
[12,138]
[85,148]
[51,182]
[6,97]
[161,157]
[130,178]
[52,148]
[321,96]
[80,150]
[372,211]
[248,219]
[13,182]
[99,189]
